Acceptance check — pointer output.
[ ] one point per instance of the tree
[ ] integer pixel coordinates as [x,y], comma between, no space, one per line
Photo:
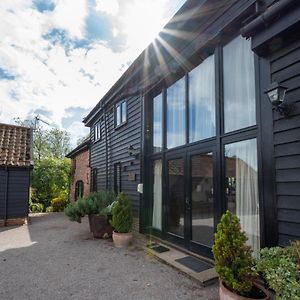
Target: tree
[50,179]
[47,143]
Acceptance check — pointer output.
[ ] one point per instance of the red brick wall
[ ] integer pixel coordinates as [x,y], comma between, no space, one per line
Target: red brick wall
[82,172]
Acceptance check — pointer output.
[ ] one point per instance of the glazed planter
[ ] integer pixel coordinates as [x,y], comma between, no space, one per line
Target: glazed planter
[100,226]
[122,240]
[226,294]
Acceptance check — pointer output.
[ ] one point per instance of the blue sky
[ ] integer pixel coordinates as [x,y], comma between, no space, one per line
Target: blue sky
[59,57]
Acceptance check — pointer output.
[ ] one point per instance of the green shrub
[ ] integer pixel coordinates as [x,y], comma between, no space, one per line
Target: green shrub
[280,268]
[37,207]
[49,209]
[59,203]
[95,203]
[72,212]
[233,259]
[122,214]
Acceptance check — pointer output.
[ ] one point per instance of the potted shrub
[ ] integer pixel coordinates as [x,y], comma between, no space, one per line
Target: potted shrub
[122,221]
[97,206]
[234,262]
[280,269]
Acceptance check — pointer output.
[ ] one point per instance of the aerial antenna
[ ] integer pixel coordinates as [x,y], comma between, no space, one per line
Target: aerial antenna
[38,119]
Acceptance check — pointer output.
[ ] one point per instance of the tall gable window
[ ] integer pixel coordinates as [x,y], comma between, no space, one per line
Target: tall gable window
[239,85]
[121,113]
[97,131]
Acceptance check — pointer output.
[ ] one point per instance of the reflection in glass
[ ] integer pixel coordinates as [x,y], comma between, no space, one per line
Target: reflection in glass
[176,114]
[242,187]
[176,196]
[157,194]
[124,112]
[239,85]
[202,101]
[157,123]
[119,120]
[202,199]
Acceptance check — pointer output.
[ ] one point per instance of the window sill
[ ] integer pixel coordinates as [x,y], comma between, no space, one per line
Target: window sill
[120,125]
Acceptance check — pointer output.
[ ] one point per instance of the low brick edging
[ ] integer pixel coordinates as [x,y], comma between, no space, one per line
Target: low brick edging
[14,222]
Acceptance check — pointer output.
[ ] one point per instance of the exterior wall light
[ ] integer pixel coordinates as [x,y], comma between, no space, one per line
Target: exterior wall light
[133,152]
[276,94]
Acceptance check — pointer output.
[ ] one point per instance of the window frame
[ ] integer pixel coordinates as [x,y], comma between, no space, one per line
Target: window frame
[77,189]
[120,105]
[98,131]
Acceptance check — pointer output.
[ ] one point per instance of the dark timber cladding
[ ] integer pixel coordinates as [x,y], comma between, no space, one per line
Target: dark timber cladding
[116,142]
[279,43]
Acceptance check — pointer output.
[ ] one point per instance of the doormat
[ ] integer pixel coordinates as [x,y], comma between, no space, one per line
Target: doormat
[158,248]
[194,264]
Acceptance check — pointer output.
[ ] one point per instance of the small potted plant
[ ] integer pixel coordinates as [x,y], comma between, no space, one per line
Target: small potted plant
[234,262]
[122,221]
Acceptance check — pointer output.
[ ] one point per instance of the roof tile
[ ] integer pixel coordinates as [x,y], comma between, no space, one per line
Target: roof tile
[15,146]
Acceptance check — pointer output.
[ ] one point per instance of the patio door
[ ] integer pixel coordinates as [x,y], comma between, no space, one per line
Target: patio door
[190,212]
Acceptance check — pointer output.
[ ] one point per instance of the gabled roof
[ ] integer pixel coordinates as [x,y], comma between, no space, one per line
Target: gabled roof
[85,145]
[15,146]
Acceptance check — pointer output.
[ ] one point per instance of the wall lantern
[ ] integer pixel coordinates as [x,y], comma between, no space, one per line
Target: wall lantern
[276,94]
[133,152]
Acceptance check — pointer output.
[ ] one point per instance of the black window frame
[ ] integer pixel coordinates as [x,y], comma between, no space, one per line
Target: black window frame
[94,180]
[122,122]
[98,131]
[77,188]
[221,138]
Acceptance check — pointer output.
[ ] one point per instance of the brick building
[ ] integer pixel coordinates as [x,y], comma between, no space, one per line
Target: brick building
[80,180]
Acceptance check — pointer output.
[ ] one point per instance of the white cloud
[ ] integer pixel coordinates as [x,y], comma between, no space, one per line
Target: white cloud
[110,7]
[46,76]
[70,15]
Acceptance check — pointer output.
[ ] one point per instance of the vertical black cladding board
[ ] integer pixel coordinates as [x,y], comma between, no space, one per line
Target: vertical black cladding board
[285,68]
[118,141]
[17,196]
[2,192]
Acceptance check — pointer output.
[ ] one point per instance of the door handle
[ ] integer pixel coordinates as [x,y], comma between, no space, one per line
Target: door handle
[187,203]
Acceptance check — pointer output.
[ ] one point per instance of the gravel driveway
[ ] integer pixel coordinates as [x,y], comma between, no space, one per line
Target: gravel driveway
[56,259]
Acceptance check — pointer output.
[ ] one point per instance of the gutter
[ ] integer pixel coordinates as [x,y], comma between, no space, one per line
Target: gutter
[269,16]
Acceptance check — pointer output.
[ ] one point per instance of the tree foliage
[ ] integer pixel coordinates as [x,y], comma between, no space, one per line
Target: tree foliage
[50,179]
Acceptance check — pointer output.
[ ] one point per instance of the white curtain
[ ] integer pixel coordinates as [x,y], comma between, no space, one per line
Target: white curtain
[157,195]
[247,204]
[202,100]
[239,85]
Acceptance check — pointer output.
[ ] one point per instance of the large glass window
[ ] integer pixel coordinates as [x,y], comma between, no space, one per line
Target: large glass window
[157,194]
[157,123]
[242,187]
[176,114]
[239,85]
[202,101]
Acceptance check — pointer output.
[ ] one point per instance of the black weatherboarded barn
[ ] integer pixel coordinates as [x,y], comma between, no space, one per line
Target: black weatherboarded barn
[15,165]
[191,122]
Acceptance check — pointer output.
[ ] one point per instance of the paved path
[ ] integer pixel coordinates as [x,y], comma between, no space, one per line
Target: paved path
[54,258]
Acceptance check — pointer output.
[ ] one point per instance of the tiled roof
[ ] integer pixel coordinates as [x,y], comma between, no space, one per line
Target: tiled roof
[15,146]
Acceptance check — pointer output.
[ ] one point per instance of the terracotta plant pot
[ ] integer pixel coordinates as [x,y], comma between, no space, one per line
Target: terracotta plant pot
[122,240]
[100,226]
[226,294]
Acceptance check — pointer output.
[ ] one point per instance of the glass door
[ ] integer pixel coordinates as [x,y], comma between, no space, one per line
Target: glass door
[201,201]
[175,204]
